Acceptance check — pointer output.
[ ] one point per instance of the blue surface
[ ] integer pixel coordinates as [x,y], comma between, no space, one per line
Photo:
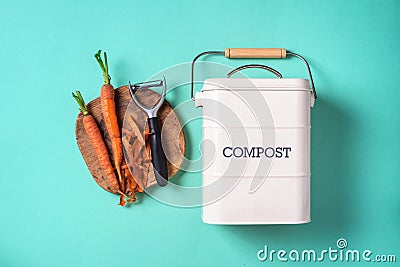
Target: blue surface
[53,213]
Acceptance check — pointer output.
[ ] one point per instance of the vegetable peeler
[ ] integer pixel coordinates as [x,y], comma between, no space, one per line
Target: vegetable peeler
[157,153]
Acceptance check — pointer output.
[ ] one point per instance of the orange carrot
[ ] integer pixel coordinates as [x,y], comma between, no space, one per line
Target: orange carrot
[96,139]
[110,117]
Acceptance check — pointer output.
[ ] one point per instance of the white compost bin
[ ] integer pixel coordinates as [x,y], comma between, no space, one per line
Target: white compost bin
[256,150]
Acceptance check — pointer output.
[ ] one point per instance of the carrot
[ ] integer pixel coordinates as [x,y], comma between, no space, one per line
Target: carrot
[96,139]
[110,117]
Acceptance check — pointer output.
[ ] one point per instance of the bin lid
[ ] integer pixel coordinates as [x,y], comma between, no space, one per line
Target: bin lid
[249,84]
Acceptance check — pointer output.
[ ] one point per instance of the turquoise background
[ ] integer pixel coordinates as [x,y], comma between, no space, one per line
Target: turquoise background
[53,213]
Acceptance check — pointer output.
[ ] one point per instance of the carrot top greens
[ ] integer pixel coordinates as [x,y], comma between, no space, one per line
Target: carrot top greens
[103,66]
[79,99]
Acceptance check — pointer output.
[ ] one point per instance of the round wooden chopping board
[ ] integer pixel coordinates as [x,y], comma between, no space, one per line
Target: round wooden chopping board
[132,122]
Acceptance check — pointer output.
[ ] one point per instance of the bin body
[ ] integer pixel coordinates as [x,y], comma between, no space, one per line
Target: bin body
[256,151]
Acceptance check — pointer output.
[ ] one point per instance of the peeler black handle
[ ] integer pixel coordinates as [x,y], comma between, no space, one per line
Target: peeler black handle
[157,152]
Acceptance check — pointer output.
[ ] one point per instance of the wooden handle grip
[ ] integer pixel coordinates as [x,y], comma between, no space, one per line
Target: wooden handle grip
[255,53]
